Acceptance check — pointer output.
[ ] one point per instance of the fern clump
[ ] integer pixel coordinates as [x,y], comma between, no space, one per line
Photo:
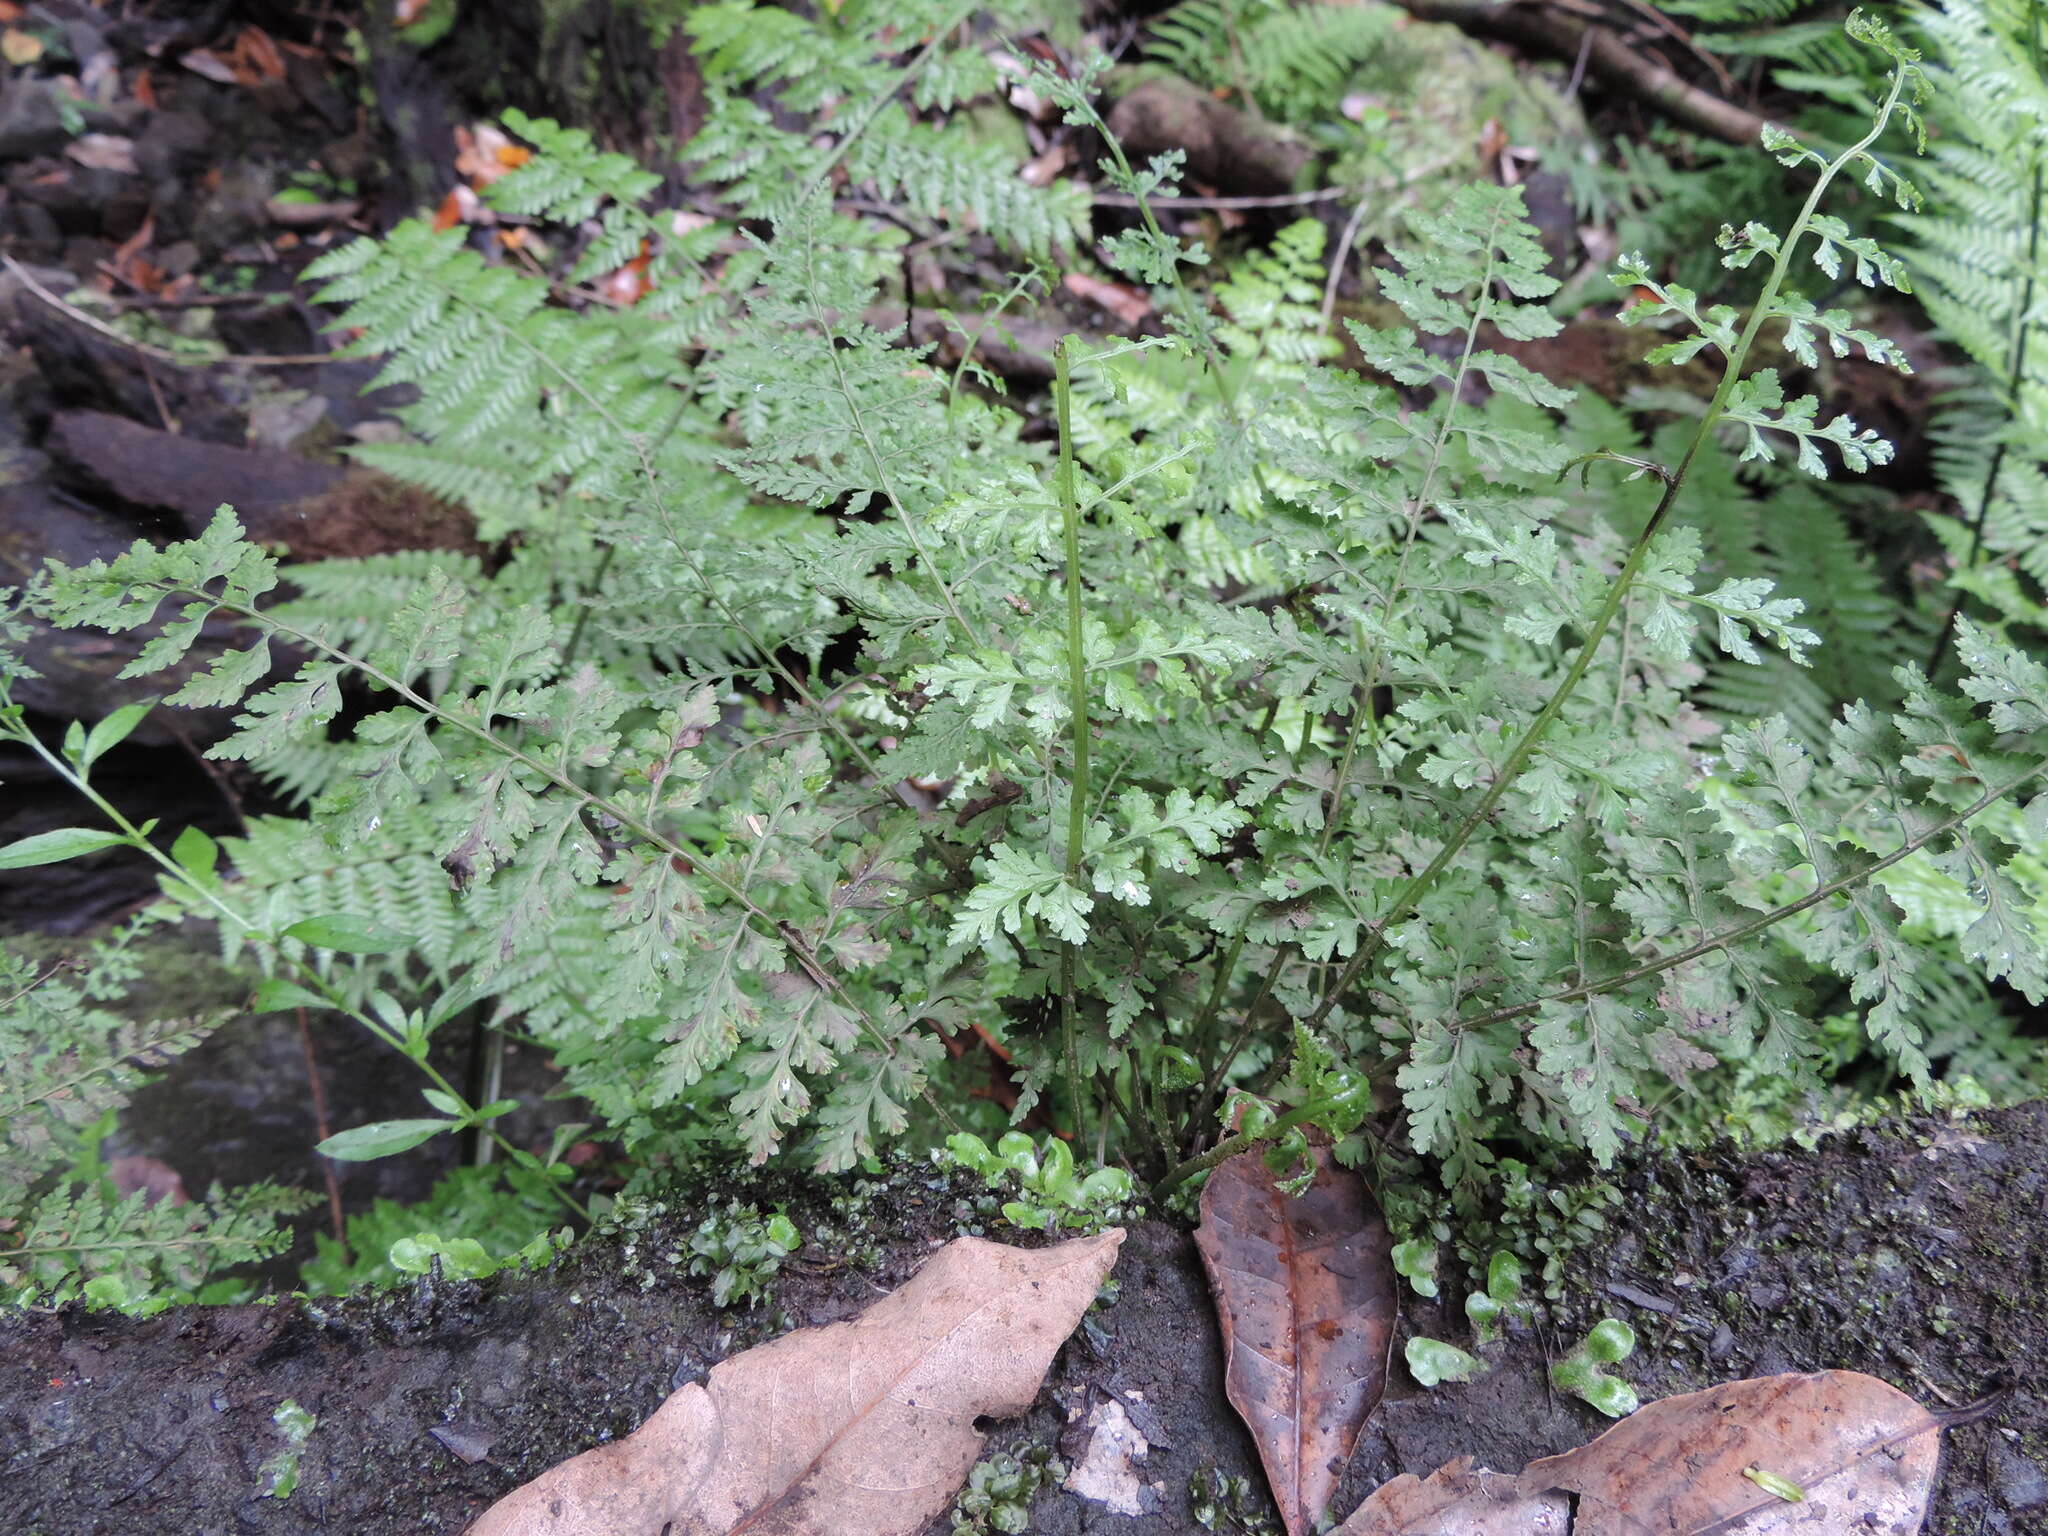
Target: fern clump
[1259,734]
[72,1061]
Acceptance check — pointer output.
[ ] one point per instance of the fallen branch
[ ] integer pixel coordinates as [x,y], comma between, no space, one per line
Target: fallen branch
[1608,60]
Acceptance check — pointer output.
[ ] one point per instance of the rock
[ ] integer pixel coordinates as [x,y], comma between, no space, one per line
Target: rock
[152,468]
[315,511]
[528,1368]
[1226,149]
[30,121]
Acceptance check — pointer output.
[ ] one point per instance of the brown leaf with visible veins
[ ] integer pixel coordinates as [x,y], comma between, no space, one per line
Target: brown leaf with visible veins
[1305,1292]
[865,1426]
[1858,1456]
[1458,1500]
[1862,1452]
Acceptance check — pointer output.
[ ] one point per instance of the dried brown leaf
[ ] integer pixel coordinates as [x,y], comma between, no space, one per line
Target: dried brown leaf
[862,1426]
[1458,1500]
[1832,1454]
[1862,1453]
[1305,1292]
[1130,305]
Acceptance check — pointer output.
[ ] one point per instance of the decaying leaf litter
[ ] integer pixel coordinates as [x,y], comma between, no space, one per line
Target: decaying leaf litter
[1305,1294]
[866,1426]
[870,1426]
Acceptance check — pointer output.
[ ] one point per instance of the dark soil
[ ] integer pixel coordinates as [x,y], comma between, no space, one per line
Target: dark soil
[1913,1251]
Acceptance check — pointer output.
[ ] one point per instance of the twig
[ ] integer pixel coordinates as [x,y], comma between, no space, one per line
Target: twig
[72,312]
[1338,262]
[1609,60]
[144,299]
[320,1125]
[1276,200]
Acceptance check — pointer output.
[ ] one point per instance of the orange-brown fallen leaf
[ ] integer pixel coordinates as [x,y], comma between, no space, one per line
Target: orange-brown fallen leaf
[1459,1500]
[1128,304]
[865,1426]
[1833,1454]
[1305,1292]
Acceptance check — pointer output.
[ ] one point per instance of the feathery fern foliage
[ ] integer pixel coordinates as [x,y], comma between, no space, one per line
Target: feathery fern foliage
[1982,274]
[1269,711]
[71,1060]
[1285,59]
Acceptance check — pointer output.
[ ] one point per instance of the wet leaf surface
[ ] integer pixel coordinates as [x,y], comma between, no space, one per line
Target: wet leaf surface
[866,1426]
[1305,1293]
[1837,1453]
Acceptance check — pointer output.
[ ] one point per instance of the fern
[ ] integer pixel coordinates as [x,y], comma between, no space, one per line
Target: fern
[71,1061]
[1984,281]
[1289,61]
[824,710]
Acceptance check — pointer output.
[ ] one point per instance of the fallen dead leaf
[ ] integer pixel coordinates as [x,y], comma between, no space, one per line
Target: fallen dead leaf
[288,211]
[258,57]
[103,152]
[484,153]
[1128,304]
[865,1426]
[20,48]
[204,61]
[1305,1292]
[161,1181]
[1459,1500]
[1832,1454]
[630,283]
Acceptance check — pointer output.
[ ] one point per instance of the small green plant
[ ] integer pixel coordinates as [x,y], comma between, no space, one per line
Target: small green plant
[1584,1374]
[1501,1302]
[1432,1362]
[1051,1194]
[280,1470]
[1000,1489]
[1311,757]
[742,1251]
[479,1220]
[1237,1506]
[1415,1262]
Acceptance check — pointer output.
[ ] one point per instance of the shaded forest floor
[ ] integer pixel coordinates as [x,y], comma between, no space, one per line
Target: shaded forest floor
[1917,1252]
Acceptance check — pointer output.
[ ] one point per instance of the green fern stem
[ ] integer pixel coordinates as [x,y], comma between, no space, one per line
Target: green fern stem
[1596,632]
[1077,703]
[137,838]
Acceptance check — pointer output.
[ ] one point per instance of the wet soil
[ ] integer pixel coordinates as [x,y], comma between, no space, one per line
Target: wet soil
[1916,1251]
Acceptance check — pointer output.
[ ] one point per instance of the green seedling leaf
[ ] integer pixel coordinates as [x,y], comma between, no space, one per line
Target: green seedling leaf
[1415,1262]
[349,935]
[1771,1483]
[383,1138]
[112,731]
[276,995]
[55,847]
[1432,1362]
[197,854]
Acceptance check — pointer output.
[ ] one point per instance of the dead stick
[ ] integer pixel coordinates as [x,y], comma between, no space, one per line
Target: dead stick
[1609,61]
[334,1216]
[73,313]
